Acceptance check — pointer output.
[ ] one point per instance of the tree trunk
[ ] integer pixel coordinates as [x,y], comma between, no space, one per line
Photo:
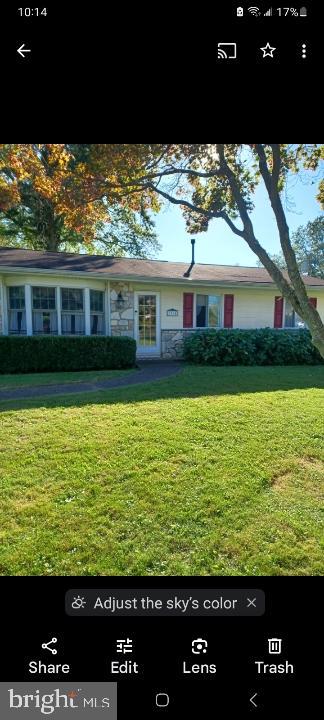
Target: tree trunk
[303,307]
[52,242]
[50,234]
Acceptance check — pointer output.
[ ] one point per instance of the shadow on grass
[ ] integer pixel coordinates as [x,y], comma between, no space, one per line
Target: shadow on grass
[191,382]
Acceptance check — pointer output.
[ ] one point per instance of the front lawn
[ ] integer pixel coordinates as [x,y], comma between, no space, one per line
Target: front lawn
[7,382]
[211,471]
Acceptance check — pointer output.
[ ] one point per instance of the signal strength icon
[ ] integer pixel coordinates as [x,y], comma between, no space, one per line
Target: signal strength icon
[268,13]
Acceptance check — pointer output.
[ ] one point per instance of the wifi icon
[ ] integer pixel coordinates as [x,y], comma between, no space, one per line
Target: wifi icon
[254,11]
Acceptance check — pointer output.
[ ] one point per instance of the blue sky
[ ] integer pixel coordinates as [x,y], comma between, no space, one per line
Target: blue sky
[219,245]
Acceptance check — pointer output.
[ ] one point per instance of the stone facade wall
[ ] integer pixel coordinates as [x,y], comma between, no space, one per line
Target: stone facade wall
[172,342]
[122,318]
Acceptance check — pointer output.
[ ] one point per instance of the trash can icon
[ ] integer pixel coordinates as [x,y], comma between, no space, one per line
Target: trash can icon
[274,646]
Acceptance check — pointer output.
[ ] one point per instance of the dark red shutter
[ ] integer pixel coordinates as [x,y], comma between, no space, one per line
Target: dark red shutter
[228,311]
[278,312]
[188,310]
[313,301]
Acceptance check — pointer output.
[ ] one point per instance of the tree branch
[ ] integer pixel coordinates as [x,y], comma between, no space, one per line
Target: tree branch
[249,236]
[288,251]
[199,210]
[276,166]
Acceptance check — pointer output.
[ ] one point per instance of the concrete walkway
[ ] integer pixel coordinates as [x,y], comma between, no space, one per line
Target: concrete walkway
[149,370]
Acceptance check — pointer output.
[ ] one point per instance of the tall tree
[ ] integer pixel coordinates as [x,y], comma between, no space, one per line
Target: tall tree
[218,181]
[55,197]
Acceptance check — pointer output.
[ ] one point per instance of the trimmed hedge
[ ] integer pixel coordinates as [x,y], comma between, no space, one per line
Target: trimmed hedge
[251,347]
[56,353]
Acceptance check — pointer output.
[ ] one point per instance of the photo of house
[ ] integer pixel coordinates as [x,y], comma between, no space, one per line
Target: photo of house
[161,360]
[154,301]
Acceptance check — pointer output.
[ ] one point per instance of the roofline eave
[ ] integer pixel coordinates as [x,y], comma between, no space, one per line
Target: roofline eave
[138,278]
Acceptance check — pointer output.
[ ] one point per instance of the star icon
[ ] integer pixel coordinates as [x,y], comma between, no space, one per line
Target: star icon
[268,50]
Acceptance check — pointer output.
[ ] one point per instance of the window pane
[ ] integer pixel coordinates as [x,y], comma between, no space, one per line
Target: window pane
[214,305]
[289,315]
[147,319]
[17,298]
[17,322]
[201,310]
[44,322]
[72,299]
[97,324]
[43,298]
[299,323]
[72,324]
[96,300]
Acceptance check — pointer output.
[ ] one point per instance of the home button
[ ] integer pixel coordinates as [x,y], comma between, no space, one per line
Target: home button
[162,700]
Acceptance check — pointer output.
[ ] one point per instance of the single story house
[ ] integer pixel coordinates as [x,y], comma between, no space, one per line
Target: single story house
[155,301]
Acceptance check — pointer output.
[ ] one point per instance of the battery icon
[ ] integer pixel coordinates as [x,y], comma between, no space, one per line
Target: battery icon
[303,12]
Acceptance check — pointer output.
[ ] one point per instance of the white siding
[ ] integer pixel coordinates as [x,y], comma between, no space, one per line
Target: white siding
[53,280]
[253,307]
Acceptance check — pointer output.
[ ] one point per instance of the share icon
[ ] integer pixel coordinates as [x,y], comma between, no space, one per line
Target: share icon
[46,646]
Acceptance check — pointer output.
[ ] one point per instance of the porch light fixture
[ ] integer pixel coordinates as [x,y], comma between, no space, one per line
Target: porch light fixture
[120,300]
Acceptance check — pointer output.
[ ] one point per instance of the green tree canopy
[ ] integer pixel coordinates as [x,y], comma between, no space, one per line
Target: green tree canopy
[56,197]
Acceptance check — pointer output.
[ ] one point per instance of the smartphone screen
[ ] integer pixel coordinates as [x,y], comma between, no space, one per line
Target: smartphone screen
[161,362]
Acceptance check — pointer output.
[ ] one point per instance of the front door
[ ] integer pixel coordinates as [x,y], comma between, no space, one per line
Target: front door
[147,323]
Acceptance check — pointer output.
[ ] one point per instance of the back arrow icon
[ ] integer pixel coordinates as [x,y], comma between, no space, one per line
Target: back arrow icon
[252,699]
[22,50]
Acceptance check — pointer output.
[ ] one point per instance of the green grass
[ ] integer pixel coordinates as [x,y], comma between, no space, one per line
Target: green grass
[215,471]
[8,382]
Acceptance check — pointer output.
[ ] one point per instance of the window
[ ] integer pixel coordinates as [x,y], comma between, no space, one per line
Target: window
[214,311]
[97,312]
[44,311]
[17,298]
[208,310]
[201,310]
[96,301]
[17,311]
[44,298]
[292,320]
[72,300]
[72,311]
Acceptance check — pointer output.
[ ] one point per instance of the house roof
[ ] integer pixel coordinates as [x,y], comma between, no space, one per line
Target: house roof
[131,268]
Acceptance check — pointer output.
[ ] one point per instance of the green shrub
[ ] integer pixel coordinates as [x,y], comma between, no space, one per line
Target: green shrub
[56,353]
[251,347]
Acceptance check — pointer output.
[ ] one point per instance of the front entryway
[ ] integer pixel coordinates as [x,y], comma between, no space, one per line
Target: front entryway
[147,323]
